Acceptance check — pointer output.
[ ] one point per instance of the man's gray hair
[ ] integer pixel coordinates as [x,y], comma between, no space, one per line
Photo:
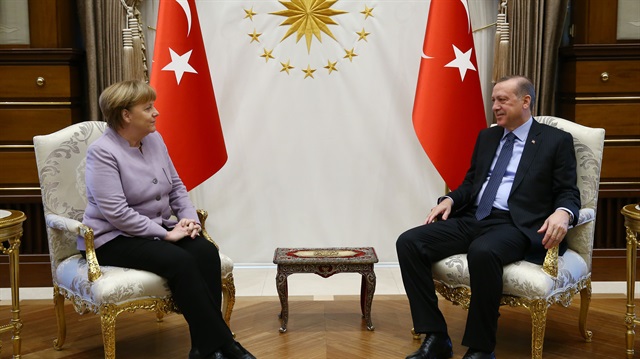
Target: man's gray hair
[525,87]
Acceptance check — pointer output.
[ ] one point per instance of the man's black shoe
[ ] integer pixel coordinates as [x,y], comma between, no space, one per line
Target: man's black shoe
[434,346]
[235,351]
[194,354]
[216,355]
[476,354]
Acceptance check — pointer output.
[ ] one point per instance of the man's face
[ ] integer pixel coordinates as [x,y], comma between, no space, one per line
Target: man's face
[510,110]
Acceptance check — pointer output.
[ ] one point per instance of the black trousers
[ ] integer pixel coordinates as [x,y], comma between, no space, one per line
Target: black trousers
[192,269]
[490,244]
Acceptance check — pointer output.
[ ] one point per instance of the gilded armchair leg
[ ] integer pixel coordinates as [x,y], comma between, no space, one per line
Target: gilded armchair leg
[585,301]
[538,323]
[58,304]
[416,336]
[108,320]
[228,297]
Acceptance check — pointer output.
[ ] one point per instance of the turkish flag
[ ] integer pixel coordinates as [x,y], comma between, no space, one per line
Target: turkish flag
[189,120]
[448,111]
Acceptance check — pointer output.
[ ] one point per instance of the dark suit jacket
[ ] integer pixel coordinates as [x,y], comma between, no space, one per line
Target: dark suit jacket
[545,180]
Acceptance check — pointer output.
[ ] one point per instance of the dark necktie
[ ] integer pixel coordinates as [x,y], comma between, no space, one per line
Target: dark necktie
[489,194]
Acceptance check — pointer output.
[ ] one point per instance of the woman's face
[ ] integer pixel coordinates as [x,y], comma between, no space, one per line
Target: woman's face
[142,117]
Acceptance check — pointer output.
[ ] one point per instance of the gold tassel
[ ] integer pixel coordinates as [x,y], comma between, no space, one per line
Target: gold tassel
[127,55]
[137,62]
[496,50]
[503,48]
[134,59]
[501,45]
[143,46]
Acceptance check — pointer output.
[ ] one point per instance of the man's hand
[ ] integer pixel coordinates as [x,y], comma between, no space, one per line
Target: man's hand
[443,208]
[555,228]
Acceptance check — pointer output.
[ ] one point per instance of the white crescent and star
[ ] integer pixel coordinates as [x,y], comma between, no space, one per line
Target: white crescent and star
[462,62]
[463,59]
[187,13]
[180,63]
[466,9]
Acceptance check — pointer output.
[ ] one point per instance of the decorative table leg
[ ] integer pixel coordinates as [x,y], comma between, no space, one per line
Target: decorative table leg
[368,287]
[630,317]
[16,322]
[10,234]
[283,293]
[363,293]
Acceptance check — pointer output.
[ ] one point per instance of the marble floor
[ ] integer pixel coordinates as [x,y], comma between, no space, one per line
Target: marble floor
[255,281]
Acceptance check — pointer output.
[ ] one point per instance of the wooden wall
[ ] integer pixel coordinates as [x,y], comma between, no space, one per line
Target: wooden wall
[42,92]
[599,79]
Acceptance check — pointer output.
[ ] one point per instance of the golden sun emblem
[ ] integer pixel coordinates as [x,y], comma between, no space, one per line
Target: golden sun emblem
[308,18]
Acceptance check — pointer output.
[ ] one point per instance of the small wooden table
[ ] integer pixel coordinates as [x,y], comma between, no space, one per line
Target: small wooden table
[326,262]
[631,213]
[10,234]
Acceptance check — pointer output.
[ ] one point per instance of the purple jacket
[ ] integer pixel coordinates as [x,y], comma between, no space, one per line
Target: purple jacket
[132,193]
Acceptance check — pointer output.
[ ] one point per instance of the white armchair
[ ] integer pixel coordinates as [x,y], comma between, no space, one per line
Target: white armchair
[537,287]
[104,290]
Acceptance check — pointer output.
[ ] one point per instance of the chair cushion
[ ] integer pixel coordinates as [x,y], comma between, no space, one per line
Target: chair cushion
[116,285]
[522,279]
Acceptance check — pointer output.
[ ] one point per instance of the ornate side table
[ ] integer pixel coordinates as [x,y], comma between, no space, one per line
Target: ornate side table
[10,233]
[326,262]
[631,213]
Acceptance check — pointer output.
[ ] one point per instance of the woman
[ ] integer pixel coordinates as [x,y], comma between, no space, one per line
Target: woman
[132,190]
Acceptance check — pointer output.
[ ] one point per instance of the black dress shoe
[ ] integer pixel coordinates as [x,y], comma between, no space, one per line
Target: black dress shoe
[476,354]
[216,355]
[235,351]
[194,354]
[434,346]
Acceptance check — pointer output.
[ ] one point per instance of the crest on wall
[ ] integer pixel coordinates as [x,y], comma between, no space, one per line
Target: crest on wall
[305,38]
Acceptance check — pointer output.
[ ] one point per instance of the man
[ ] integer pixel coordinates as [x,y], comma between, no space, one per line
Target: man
[525,210]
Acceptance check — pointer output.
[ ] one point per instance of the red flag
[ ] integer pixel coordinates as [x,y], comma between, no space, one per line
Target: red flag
[448,111]
[189,121]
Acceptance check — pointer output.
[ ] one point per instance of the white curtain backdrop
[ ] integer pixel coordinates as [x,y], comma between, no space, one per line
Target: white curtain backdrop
[326,161]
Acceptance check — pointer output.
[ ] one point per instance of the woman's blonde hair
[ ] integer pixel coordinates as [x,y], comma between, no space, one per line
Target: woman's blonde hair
[123,95]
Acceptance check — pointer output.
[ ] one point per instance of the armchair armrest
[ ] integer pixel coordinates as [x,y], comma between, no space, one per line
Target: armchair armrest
[62,223]
[202,216]
[72,226]
[550,265]
[586,215]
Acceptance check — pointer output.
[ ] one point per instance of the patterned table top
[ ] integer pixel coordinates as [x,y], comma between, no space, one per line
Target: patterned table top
[333,255]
